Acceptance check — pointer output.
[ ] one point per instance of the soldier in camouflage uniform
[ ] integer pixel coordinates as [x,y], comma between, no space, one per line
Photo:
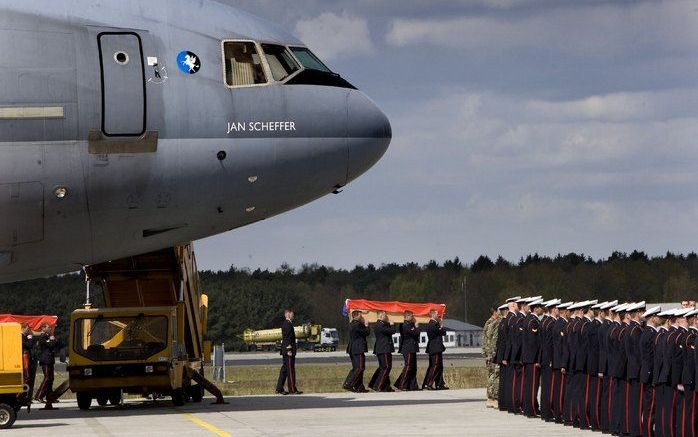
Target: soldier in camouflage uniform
[489,350]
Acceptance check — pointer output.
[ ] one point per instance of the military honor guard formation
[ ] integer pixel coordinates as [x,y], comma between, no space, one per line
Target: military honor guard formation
[620,369]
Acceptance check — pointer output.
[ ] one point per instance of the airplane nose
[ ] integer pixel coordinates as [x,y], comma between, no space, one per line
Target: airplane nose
[369,134]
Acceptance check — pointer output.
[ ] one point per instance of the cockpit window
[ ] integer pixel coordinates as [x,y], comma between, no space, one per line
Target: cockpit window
[309,60]
[243,65]
[280,61]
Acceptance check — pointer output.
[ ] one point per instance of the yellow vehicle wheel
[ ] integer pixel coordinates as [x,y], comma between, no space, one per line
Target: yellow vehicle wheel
[8,415]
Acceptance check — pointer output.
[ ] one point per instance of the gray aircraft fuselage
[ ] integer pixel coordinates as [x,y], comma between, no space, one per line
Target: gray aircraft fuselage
[115,142]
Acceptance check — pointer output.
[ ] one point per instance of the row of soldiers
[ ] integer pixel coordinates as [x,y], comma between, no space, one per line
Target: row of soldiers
[617,368]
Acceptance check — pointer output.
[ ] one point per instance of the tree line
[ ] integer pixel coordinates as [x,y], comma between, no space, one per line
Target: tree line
[244,298]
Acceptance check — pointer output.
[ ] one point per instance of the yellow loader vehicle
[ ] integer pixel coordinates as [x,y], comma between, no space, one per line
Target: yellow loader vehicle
[12,388]
[150,337]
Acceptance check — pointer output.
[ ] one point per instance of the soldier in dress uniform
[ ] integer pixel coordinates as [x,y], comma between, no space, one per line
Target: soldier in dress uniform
[516,350]
[383,349]
[530,358]
[660,375]
[678,358]
[48,346]
[503,351]
[357,348]
[686,412]
[434,378]
[489,351]
[546,359]
[612,347]
[409,347]
[572,378]
[560,360]
[593,383]
[666,426]
[604,377]
[288,353]
[620,405]
[28,356]
[632,425]
[647,354]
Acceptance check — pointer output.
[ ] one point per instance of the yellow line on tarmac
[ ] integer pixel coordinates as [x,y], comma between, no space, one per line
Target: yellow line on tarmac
[205,425]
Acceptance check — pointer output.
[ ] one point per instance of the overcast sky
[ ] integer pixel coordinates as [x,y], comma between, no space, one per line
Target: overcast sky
[544,126]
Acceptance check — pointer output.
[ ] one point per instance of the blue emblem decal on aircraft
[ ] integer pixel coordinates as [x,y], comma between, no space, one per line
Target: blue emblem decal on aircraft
[188,62]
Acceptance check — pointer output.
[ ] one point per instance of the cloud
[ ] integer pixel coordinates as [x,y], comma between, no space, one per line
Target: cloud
[592,31]
[332,35]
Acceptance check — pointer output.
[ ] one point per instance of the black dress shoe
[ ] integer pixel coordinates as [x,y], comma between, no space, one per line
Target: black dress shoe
[297,392]
[282,392]
[428,387]
[388,390]
[360,390]
[443,387]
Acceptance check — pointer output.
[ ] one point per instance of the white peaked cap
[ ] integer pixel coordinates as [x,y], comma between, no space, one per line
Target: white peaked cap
[608,305]
[537,302]
[652,312]
[533,299]
[503,307]
[599,305]
[619,308]
[513,299]
[552,303]
[668,313]
[565,305]
[693,313]
[682,312]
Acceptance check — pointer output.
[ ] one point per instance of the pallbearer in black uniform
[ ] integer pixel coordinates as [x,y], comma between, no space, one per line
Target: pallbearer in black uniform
[632,425]
[409,346]
[546,359]
[647,345]
[499,356]
[560,360]
[288,353]
[383,349]
[28,357]
[48,346]
[530,357]
[357,348]
[434,378]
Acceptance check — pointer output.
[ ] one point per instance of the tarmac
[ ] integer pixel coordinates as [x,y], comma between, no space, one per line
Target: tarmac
[444,413]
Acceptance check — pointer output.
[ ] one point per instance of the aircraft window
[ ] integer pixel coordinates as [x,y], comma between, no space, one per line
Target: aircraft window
[280,61]
[243,65]
[309,60]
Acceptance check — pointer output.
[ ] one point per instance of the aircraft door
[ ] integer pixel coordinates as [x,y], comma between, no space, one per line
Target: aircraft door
[123,84]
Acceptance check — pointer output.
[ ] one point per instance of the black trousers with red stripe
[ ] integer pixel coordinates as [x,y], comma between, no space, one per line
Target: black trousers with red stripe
[559,384]
[435,373]
[632,418]
[583,413]
[355,378]
[606,402]
[517,392]
[649,406]
[503,388]
[287,372]
[510,387]
[661,412]
[529,390]
[685,413]
[594,408]
[571,394]
[408,378]
[617,415]
[547,377]
[46,386]
[380,380]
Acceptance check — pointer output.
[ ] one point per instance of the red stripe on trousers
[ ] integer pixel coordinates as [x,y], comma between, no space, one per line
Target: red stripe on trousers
[385,372]
[586,401]
[597,407]
[533,391]
[552,390]
[651,415]
[610,398]
[642,398]
[405,371]
[673,410]
[562,392]
[627,408]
